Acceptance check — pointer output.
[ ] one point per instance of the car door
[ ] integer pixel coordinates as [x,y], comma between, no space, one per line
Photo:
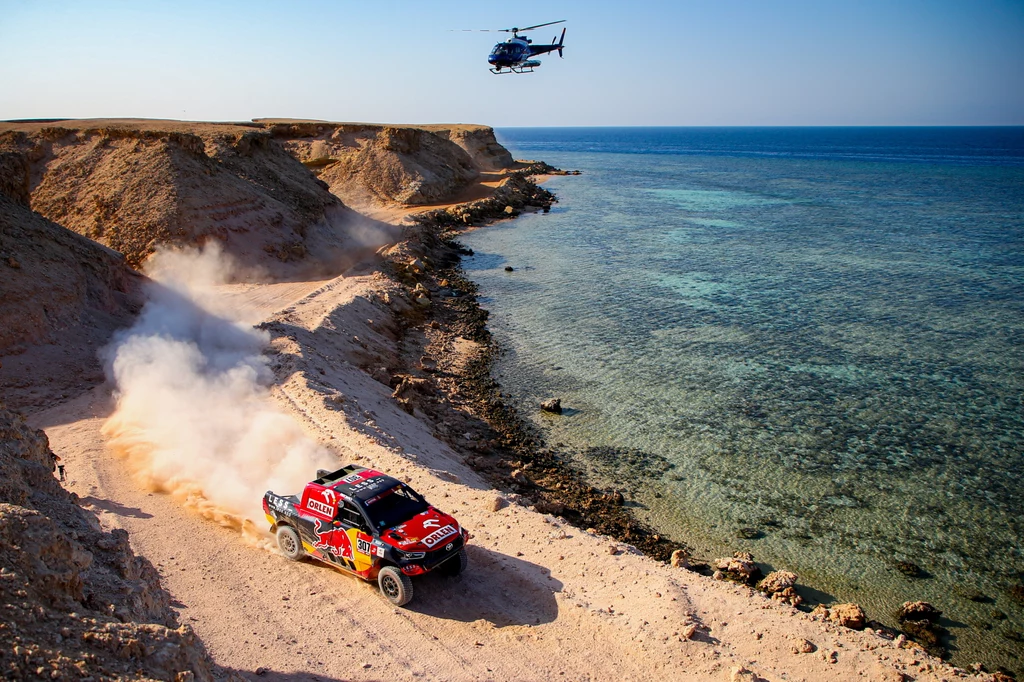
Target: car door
[358,532]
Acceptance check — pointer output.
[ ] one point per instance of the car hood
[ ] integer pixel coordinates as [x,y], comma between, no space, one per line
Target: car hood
[424,532]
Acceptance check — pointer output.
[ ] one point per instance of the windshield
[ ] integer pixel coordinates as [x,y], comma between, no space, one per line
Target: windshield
[502,49]
[394,506]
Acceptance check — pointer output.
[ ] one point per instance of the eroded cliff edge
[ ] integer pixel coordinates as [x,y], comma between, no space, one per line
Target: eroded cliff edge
[269,187]
[76,600]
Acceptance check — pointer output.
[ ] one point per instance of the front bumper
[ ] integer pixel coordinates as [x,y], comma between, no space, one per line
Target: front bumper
[434,558]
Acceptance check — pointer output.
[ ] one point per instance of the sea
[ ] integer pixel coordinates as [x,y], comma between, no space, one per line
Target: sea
[804,343]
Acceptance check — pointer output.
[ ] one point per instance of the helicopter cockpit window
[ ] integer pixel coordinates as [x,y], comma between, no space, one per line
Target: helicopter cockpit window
[501,49]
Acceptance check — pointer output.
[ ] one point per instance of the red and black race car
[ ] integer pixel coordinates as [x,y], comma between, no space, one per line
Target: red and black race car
[363,522]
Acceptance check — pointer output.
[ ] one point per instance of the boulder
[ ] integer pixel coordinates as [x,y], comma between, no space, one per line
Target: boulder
[679,559]
[553,405]
[777,581]
[615,497]
[804,646]
[918,611]
[910,569]
[781,586]
[848,615]
[739,567]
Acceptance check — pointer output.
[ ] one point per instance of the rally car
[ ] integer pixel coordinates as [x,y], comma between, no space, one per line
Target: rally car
[374,526]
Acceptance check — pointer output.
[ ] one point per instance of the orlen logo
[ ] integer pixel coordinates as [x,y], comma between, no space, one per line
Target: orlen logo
[438,535]
[327,509]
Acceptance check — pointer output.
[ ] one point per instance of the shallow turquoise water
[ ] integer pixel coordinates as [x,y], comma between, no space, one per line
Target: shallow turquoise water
[825,351]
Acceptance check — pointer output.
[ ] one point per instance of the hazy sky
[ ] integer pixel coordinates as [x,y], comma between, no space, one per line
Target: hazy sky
[699,62]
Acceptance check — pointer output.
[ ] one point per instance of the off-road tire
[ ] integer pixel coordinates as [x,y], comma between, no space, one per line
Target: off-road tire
[455,565]
[395,586]
[289,543]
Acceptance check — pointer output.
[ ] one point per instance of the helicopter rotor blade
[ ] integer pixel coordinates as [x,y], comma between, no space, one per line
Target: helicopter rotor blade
[529,28]
[550,23]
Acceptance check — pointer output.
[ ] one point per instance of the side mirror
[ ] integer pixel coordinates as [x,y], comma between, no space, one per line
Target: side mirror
[337,523]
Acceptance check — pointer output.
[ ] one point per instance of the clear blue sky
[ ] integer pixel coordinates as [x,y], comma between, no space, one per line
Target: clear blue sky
[689,62]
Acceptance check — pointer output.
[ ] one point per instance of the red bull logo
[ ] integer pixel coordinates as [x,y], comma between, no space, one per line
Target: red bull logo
[330,540]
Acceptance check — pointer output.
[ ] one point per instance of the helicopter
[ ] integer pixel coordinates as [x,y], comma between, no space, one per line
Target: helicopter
[515,55]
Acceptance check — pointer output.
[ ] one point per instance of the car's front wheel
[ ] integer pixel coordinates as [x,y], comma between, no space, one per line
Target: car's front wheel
[455,565]
[289,543]
[395,585]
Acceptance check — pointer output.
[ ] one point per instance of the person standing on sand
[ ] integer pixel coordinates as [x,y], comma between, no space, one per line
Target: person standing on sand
[60,467]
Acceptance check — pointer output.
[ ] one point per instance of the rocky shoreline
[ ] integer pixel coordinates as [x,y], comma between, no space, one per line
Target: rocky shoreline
[470,412]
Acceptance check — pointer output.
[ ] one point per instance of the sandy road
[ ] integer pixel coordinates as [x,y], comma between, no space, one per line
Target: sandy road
[540,601]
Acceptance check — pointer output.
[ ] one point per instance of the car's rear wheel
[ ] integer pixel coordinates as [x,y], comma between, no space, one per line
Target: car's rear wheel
[455,565]
[395,585]
[289,543]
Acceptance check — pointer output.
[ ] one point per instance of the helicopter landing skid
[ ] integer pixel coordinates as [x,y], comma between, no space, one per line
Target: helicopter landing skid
[513,70]
[522,68]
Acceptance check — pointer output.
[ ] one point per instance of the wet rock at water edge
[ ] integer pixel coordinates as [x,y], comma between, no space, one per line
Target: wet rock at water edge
[911,570]
[925,633]
[918,610]
[615,497]
[781,586]
[748,533]
[679,559]
[509,268]
[554,405]
[848,615]
[740,567]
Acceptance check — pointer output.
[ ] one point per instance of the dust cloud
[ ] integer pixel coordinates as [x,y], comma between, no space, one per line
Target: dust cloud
[193,415]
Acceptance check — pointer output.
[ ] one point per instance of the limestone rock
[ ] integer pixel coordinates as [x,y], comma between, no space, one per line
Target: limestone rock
[679,559]
[804,646]
[739,567]
[780,585]
[553,405]
[848,615]
[918,610]
[741,674]
[777,581]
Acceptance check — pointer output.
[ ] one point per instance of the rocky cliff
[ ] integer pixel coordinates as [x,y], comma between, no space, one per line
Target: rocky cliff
[368,165]
[132,186]
[276,188]
[76,601]
[61,297]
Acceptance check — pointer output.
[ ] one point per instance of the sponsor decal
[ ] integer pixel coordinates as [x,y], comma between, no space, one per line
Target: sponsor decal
[438,535]
[280,504]
[431,523]
[362,546]
[352,478]
[327,540]
[368,484]
[320,507]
